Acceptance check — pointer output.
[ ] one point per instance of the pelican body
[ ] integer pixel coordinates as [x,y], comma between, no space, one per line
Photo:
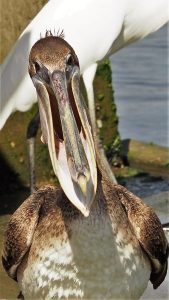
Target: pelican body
[70,256]
[95,29]
[90,238]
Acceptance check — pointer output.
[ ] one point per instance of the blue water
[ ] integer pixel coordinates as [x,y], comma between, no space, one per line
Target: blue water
[140,80]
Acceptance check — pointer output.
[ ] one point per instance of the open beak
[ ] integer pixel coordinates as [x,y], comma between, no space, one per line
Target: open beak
[66,130]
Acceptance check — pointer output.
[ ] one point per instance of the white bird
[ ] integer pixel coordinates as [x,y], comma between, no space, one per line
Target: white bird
[95,29]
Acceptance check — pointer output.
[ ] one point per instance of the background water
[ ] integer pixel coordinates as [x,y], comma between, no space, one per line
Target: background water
[140,82]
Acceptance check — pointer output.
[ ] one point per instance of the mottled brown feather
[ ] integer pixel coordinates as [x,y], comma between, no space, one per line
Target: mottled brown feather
[148,230]
[42,206]
[20,232]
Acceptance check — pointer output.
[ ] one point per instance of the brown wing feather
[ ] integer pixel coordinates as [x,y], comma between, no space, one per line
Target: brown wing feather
[148,230]
[19,233]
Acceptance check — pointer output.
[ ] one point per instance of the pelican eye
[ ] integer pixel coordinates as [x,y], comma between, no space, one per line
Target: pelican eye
[70,60]
[37,66]
[41,71]
[69,66]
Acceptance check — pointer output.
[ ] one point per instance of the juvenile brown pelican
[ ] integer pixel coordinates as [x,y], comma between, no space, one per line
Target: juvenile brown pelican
[50,247]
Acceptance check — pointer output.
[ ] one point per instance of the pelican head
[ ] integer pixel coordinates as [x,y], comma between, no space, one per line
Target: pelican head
[54,70]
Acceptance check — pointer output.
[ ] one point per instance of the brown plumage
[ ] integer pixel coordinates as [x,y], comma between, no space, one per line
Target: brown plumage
[48,213]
